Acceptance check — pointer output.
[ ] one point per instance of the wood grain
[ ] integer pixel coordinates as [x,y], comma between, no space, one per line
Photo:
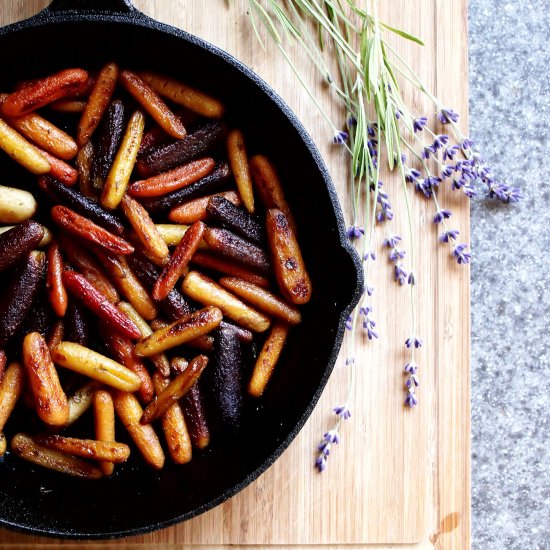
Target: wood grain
[400,478]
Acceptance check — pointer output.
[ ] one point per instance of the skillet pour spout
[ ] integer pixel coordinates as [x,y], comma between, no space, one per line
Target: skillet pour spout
[88,34]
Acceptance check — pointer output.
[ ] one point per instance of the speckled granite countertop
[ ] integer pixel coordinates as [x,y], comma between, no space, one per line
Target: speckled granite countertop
[510,120]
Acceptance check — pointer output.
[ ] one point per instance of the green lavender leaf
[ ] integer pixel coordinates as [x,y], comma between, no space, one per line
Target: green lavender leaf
[403,34]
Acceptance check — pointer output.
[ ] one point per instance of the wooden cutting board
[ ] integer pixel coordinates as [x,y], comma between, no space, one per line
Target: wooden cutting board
[399,478]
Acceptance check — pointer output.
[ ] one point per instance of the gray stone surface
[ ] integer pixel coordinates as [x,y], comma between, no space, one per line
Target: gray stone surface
[510,120]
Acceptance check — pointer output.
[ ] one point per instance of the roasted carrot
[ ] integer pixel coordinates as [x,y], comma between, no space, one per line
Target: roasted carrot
[238,159]
[54,281]
[183,94]
[145,228]
[173,180]
[82,227]
[179,260]
[44,91]
[288,264]
[98,102]
[119,175]
[50,399]
[153,104]
[99,304]
[195,210]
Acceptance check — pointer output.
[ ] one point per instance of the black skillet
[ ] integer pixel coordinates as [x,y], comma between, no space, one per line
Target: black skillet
[87,33]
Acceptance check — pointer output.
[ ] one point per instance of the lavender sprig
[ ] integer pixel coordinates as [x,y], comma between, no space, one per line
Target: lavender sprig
[439,157]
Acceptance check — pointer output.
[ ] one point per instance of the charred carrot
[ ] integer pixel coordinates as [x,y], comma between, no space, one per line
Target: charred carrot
[228,266]
[94,300]
[54,282]
[88,267]
[18,295]
[195,210]
[262,299]
[82,205]
[231,217]
[195,416]
[271,350]
[50,399]
[82,227]
[60,170]
[104,421]
[94,365]
[25,447]
[98,102]
[167,182]
[129,411]
[175,390]
[119,175]
[174,306]
[225,375]
[107,141]
[11,387]
[213,182]
[128,284]
[159,360]
[153,104]
[16,243]
[84,164]
[288,264]
[207,292]
[185,95]
[196,144]
[122,350]
[44,91]
[238,159]
[268,185]
[179,260]
[185,329]
[228,244]
[145,228]
[45,135]
[85,448]
[22,151]
[174,426]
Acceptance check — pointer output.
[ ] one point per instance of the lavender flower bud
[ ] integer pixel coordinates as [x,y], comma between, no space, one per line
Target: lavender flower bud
[450,235]
[447,171]
[411,368]
[340,137]
[413,341]
[419,123]
[392,241]
[342,411]
[332,437]
[461,256]
[449,153]
[355,232]
[411,400]
[400,274]
[321,463]
[441,215]
[445,116]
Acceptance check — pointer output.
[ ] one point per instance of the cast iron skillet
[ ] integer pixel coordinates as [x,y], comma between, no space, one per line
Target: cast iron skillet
[87,33]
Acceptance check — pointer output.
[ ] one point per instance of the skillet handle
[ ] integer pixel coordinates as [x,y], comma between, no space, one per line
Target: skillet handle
[112,6]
